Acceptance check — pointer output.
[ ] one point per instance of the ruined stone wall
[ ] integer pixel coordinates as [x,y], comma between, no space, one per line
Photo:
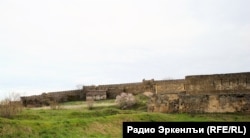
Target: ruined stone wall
[115,89]
[206,94]
[134,88]
[170,86]
[46,99]
[200,103]
[218,83]
[69,95]
[200,93]
[161,86]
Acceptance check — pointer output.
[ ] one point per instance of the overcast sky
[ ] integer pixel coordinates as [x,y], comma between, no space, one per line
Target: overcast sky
[50,45]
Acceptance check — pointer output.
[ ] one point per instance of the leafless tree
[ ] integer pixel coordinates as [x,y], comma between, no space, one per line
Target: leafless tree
[11,105]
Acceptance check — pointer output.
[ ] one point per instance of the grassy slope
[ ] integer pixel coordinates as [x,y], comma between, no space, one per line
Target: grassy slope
[102,121]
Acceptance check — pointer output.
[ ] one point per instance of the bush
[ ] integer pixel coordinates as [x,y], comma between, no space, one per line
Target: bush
[55,101]
[125,100]
[55,105]
[90,103]
[10,106]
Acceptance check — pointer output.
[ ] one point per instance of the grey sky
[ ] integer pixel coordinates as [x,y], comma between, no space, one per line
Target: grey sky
[57,44]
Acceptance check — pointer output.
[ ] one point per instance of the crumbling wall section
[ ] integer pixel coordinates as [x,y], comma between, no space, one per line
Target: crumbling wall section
[197,93]
[46,99]
[170,86]
[218,83]
[200,103]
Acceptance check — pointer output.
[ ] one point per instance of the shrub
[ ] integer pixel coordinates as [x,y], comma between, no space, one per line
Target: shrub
[141,102]
[54,105]
[125,100]
[10,106]
[55,101]
[90,103]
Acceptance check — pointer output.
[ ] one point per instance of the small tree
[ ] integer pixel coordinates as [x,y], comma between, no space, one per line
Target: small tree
[54,105]
[125,100]
[55,101]
[10,106]
[90,103]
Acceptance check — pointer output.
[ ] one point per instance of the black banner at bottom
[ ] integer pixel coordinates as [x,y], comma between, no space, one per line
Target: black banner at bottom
[178,129]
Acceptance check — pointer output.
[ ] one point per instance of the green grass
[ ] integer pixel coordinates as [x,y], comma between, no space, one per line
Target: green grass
[84,102]
[103,121]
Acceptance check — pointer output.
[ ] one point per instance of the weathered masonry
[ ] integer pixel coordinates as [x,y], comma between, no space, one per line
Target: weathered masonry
[96,95]
[207,93]
[198,93]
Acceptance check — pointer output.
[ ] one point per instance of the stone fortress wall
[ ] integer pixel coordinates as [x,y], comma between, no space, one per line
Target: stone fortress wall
[196,93]
[218,83]
[207,94]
